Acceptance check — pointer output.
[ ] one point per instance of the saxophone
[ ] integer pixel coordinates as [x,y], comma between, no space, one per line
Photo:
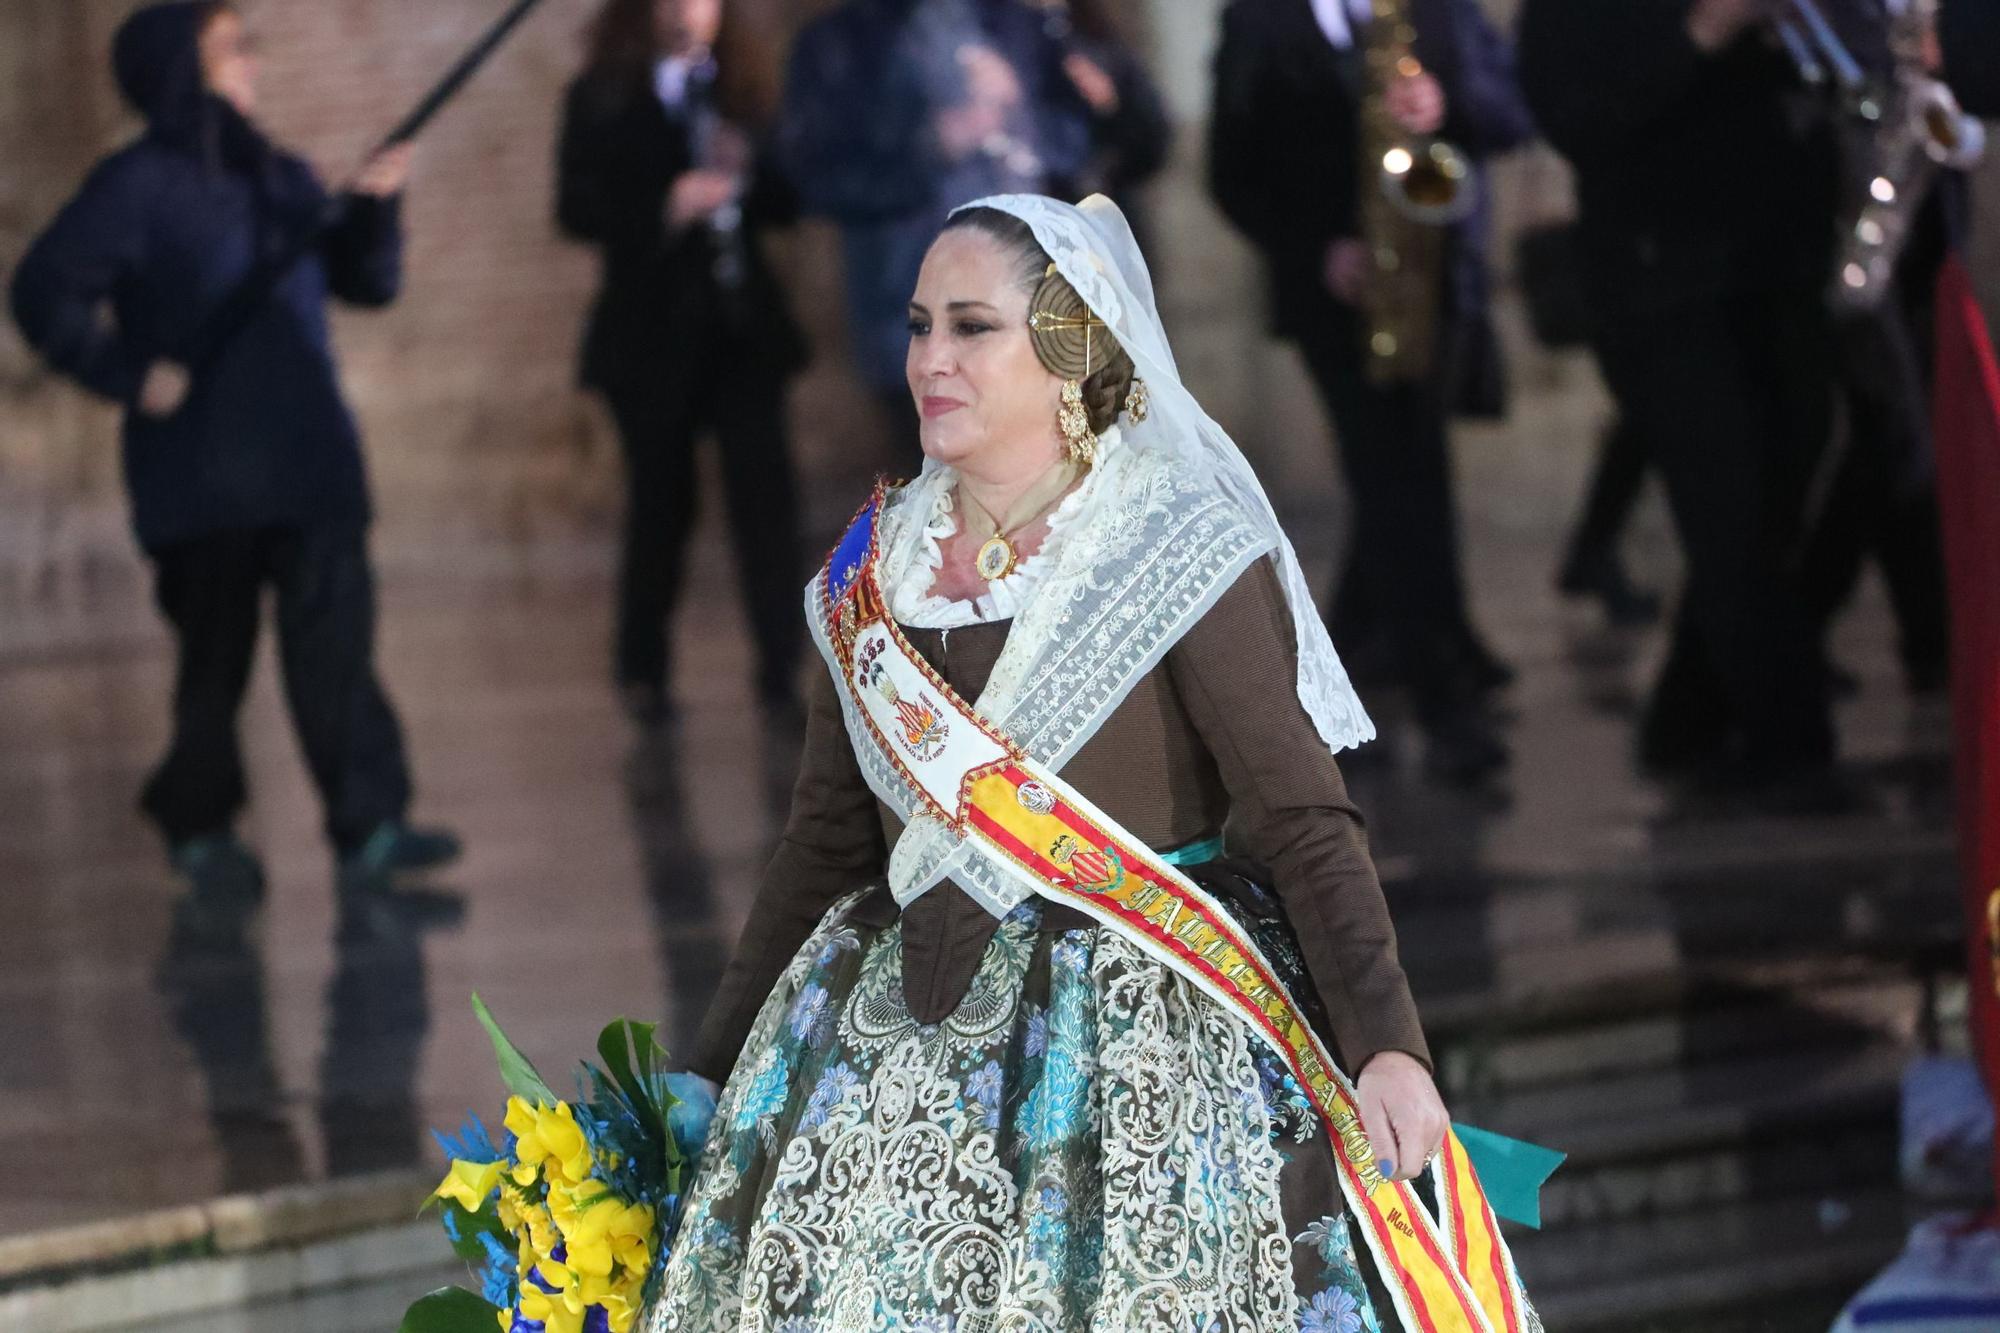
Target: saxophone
[1909,132]
[1412,187]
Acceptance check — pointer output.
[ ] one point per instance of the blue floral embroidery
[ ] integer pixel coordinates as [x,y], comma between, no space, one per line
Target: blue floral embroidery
[829,1092]
[812,1015]
[1333,1311]
[1071,952]
[1036,1043]
[844,941]
[983,1086]
[765,1096]
[1048,1224]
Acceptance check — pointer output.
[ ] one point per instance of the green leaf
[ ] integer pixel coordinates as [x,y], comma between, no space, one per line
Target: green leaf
[614,1047]
[515,1069]
[450,1310]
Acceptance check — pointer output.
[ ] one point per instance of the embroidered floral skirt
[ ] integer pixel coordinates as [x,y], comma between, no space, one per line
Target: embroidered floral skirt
[1087,1143]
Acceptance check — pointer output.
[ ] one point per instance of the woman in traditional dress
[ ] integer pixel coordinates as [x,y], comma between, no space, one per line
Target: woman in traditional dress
[1016,1043]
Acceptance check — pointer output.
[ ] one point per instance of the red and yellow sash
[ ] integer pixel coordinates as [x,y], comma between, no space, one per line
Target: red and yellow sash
[1450,1277]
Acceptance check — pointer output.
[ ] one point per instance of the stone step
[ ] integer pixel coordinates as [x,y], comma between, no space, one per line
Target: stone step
[1668,1139]
[1667,1272]
[1836,1015]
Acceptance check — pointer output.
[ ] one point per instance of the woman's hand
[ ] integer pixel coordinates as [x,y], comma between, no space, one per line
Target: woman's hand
[1402,1112]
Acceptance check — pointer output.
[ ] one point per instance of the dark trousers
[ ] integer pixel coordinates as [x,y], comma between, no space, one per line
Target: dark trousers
[1882,498]
[1732,399]
[1615,486]
[659,425]
[1402,587]
[211,590]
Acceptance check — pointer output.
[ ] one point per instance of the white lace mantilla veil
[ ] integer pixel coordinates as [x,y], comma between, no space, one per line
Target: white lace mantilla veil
[1093,246]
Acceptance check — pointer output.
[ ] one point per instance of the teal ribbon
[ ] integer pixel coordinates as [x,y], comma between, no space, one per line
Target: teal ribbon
[1208,849]
[1512,1172]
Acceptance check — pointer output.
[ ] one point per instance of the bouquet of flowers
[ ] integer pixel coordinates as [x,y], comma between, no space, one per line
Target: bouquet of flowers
[568,1218]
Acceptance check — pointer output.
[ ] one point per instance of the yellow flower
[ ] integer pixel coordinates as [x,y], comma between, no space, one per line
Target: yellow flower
[562,1139]
[468,1183]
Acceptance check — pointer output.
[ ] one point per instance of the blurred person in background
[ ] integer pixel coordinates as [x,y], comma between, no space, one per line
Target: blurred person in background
[1969,35]
[897,111]
[1707,189]
[659,168]
[1130,135]
[244,469]
[1400,608]
[1880,499]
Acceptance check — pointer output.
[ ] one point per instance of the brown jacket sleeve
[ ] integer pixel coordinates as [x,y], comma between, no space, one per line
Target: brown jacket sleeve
[832,845]
[1236,671]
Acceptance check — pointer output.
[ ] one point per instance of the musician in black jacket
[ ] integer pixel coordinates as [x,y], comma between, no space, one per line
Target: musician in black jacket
[1969,31]
[1284,164]
[1707,186]
[690,332]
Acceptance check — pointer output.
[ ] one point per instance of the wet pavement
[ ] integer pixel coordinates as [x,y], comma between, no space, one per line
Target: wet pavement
[1709,1011]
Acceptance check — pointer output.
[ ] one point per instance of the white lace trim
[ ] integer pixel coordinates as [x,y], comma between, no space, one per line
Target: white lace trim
[914,603]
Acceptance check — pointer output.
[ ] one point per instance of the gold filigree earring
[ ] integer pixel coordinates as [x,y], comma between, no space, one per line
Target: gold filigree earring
[1073,419]
[1137,402]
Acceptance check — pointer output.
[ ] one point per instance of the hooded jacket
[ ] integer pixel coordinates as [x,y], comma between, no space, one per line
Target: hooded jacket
[160,234]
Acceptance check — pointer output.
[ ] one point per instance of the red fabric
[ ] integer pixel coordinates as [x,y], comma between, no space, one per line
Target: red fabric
[1966,422]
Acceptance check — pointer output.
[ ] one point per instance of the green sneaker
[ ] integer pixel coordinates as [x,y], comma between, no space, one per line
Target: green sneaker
[219,869]
[396,848]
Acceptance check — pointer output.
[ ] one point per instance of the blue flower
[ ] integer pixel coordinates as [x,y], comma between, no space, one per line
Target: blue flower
[1071,952]
[522,1324]
[596,1319]
[811,1018]
[842,942]
[499,1275]
[1037,1041]
[473,1143]
[983,1086]
[829,1092]
[1055,1105]
[1048,1225]
[766,1094]
[1333,1311]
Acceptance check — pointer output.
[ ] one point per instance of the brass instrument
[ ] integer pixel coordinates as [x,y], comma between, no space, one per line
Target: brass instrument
[1411,188]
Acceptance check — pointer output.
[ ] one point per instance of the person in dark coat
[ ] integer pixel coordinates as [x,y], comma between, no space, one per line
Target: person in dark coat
[244,468]
[898,111]
[1130,135]
[1707,186]
[1284,164]
[659,169]
[1969,33]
